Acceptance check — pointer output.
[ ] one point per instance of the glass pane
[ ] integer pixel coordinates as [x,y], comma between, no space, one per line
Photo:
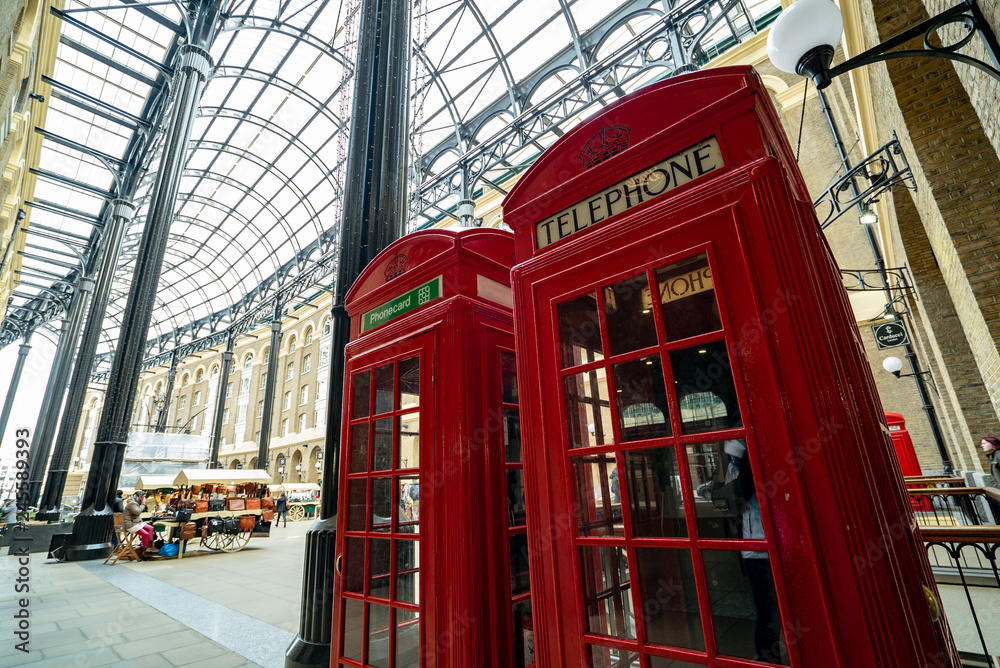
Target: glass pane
[669,597]
[524,635]
[383,389]
[630,321]
[409,383]
[641,397]
[357,502]
[519,580]
[515,498]
[409,504]
[354,629]
[381,503]
[654,497]
[408,571]
[362,395]
[378,636]
[725,501]
[359,448]
[612,657]
[409,442]
[407,639]
[354,573]
[706,395]
[606,591]
[745,605]
[580,330]
[380,561]
[664,662]
[687,299]
[599,494]
[588,409]
[508,378]
[382,445]
[512,436]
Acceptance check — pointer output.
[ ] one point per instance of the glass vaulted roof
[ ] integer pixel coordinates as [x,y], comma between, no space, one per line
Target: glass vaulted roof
[493,84]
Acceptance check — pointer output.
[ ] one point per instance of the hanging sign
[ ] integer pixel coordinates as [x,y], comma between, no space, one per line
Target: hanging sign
[402,304]
[890,335]
[690,164]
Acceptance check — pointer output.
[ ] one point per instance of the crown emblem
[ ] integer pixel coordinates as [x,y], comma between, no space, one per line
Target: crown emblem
[610,140]
[395,267]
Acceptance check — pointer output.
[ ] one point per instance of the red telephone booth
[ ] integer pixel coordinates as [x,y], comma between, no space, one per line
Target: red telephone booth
[431,541]
[705,466]
[903,444]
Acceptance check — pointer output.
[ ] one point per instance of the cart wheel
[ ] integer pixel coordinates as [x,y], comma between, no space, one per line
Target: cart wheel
[296,513]
[212,541]
[237,541]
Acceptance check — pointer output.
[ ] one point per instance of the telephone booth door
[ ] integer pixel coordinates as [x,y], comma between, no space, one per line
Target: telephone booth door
[432,566]
[703,487]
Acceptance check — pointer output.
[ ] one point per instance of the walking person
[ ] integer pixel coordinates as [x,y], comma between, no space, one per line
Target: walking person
[9,512]
[281,508]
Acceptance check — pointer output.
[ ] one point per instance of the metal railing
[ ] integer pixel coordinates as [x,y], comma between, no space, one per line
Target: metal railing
[955,506]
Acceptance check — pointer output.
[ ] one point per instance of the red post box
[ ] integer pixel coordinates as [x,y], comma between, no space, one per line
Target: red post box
[708,480]
[432,566]
[903,444]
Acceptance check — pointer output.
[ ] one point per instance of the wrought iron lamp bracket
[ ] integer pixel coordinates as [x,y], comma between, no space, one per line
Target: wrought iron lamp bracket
[884,169]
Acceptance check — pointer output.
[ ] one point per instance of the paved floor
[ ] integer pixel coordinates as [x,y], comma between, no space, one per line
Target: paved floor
[207,609]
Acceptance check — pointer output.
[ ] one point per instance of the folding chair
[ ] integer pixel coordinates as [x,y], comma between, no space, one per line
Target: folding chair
[125,549]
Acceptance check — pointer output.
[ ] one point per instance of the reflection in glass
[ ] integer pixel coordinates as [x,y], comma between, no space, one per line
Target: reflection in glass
[655,502]
[606,591]
[357,502]
[409,441]
[383,388]
[630,320]
[381,503]
[598,493]
[359,448]
[407,638]
[378,636]
[579,330]
[612,657]
[687,299]
[725,499]
[588,409]
[669,597]
[524,635]
[508,378]
[354,629]
[408,571]
[664,662]
[519,580]
[354,568]
[382,445]
[409,504]
[409,383]
[744,606]
[362,395]
[703,379]
[511,436]
[641,397]
[515,498]
[379,565]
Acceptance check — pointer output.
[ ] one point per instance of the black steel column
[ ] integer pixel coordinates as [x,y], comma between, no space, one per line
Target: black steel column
[8,403]
[55,482]
[161,419]
[93,526]
[272,373]
[220,403]
[374,216]
[55,390]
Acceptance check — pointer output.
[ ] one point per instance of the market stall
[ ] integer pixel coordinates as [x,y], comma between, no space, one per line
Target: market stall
[303,498]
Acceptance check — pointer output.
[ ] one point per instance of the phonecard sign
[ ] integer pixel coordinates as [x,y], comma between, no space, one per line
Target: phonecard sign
[890,335]
[402,304]
[690,164]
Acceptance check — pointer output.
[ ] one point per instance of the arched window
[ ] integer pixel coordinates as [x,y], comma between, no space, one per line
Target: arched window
[326,327]
[184,380]
[215,370]
[291,345]
[309,336]
[248,362]
[199,376]
[267,356]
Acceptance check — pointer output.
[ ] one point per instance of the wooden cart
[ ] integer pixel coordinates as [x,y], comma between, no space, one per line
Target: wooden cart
[303,498]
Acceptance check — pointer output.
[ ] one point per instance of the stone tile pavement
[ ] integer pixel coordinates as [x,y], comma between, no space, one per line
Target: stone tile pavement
[208,609]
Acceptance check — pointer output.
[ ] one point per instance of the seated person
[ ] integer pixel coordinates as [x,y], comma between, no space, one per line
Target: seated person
[133,510]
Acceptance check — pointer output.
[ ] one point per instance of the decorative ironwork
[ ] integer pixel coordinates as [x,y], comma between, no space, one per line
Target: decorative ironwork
[883,170]
[895,282]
